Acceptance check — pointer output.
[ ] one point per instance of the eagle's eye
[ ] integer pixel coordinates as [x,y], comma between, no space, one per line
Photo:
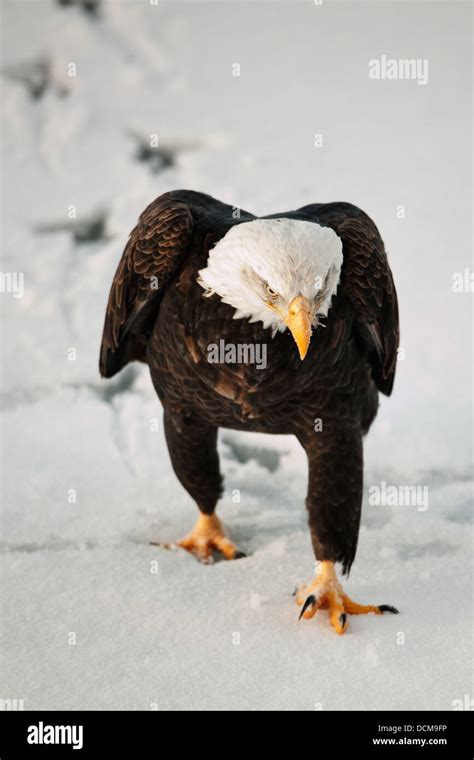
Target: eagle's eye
[270,292]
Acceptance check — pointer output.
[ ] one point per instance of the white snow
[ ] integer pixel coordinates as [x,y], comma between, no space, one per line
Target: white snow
[155,629]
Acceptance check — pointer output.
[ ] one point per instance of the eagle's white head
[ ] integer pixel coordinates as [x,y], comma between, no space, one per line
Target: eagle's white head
[282,272]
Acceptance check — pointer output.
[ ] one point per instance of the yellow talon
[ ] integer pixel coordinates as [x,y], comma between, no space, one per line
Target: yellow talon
[325,592]
[208,535]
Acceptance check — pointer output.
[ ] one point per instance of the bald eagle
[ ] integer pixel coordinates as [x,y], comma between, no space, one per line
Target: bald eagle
[312,289]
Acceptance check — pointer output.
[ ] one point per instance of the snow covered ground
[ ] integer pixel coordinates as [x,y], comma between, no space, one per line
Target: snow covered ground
[92,615]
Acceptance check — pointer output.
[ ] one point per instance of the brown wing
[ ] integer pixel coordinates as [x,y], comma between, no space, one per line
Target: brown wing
[367,282]
[151,258]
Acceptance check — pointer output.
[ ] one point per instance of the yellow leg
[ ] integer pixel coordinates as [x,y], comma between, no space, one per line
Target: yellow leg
[325,592]
[208,535]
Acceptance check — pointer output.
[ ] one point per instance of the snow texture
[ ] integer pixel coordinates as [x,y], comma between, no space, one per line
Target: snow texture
[92,615]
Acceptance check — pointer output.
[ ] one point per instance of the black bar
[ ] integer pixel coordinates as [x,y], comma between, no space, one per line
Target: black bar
[382,734]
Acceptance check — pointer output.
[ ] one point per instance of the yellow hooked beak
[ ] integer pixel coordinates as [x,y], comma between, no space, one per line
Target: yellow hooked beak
[299,323]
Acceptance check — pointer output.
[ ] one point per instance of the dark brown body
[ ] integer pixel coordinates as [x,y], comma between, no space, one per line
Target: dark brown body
[328,401]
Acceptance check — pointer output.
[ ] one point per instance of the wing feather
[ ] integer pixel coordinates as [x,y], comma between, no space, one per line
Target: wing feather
[152,256]
[367,281]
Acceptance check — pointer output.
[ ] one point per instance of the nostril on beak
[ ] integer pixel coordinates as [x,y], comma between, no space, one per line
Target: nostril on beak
[294,310]
[299,304]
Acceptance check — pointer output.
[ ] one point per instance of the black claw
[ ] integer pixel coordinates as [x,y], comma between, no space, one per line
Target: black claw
[310,600]
[388,608]
[342,620]
[239,554]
